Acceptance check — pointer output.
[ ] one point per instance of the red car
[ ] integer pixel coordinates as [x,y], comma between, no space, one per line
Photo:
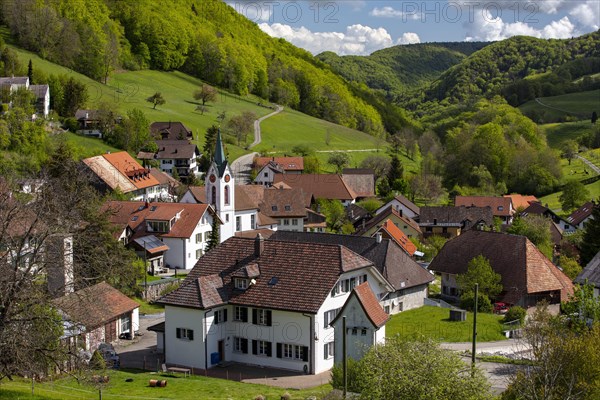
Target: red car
[500,308]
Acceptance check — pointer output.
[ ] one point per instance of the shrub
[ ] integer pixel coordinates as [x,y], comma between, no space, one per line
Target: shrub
[97,361]
[354,381]
[484,304]
[515,313]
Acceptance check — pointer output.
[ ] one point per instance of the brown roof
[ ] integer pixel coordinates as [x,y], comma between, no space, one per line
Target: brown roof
[361,181]
[170,130]
[523,268]
[370,304]
[122,171]
[408,204]
[264,220]
[164,178]
[283,203]
[591,272]
[246,197]
[293,276]
[582,213]
[394,233]
[465,217]
[134,213]
[287,163]
[176,150]
[199,193]
[320,186]
[95,305]
[385,214]
[501,206]
[520,201]
[266,233]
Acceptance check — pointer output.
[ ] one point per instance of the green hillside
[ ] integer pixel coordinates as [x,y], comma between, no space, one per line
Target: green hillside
[397,68]
[557,134]
[573,106]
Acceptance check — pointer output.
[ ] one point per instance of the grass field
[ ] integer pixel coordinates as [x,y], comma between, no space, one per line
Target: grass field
[578,105]
[433,322]
[558,133]
[195,387]
[554,203]
[85,147]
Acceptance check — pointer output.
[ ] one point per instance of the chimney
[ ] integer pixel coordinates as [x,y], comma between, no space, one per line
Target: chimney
[378,237]
[146,204]
[259,245]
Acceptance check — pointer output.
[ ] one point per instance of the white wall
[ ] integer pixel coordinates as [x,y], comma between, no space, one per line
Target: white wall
[184,352]
[245,216]
[182,251]
[188,197]
[405,299]
[267,180]
[397,206]
[299,227]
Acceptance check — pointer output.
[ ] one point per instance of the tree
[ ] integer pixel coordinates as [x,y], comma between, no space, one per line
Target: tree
[302,150]
[339,160]
[480,271]
[570,149]
[241,125]
[156,99]
[537,229]
[379,164]
[427,187]
[312,165]
[75,95]
[574,195]
[569,266]
[205,94]
[594,117]
[335,214]
[590,245]
[566,362]
[416,370]
[110,56]
[396,170]
[30,72]
[214,237]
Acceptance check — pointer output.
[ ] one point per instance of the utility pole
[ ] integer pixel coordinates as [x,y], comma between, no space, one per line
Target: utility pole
[145,274]
[344,357]
[473,351]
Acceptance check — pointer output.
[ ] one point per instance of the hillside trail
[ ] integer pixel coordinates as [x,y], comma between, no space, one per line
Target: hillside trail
[589,164]
[539,101]
[241,166]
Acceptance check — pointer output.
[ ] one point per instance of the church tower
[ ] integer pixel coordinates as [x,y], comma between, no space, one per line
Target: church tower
[220,190]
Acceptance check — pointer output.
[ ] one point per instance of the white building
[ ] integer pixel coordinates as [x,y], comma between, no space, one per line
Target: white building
[179,155]
[401,204]
[41,92]
[264,302]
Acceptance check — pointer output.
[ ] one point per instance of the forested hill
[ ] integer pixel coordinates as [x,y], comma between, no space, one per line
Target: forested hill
[489,70]
[397,68]
[205,38]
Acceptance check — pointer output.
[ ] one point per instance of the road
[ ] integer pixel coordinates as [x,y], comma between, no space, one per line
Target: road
[589,164]
[257,136]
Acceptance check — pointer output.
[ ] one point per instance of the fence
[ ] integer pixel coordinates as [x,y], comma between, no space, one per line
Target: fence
[153,290]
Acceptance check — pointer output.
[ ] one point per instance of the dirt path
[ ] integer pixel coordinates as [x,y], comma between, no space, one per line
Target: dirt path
[589,164]
[257,133]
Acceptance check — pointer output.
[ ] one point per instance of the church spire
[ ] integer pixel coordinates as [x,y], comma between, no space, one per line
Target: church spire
[219,155]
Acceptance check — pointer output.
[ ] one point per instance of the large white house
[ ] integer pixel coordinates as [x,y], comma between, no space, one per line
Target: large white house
[41,92]
[264,302]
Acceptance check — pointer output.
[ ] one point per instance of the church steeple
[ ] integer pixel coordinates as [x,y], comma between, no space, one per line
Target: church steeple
[219,155]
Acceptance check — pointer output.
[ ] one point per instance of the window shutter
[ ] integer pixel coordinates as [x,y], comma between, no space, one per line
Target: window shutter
[305,353]
[254,347]
[244,314]
[279,346]
[269,318]
[269,349]
[178,333]
[190,334]
[325,351]
[254,312]
[245,346]
[216,319]
[225,315]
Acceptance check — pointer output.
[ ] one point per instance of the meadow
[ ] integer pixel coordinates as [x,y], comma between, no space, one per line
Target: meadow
[576,105]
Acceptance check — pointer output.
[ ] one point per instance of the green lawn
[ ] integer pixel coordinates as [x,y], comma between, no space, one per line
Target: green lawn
[195,387]
[554,203]
[557,133]
[85,146]
[577,105]
[433,322]
[577,169]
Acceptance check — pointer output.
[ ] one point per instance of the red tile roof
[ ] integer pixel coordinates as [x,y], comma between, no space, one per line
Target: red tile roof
[520,201]
[199,193]
[394,233]
[96,305]
[323,186]
[293,276]
[361,181]
[134,213]
[287,163]
[501,206]
[369,303]
[523,268]
[386,214]
[127,165]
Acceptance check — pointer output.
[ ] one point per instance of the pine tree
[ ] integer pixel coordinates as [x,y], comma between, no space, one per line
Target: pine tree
[30,72]
[214,237]
[210,139]
[396,171]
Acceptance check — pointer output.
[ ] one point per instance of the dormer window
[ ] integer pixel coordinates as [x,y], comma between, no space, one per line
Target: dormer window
[288,208]
[273,208]
[241,283]
[500,208]
[153,208]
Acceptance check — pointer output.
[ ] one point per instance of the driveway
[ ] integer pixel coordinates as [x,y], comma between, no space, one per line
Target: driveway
[141,352]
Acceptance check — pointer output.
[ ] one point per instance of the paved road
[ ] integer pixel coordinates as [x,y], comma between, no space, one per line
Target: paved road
[589,164]
[257,136]
[141,351]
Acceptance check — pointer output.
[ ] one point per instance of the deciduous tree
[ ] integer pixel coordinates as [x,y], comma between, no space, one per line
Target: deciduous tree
[574,195]
[480,271]
[156,99]
[339,160]
[206,94]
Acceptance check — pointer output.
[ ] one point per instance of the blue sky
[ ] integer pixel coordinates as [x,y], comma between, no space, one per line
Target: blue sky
[361,27]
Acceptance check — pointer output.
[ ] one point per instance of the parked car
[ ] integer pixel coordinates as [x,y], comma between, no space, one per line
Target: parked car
[500,308]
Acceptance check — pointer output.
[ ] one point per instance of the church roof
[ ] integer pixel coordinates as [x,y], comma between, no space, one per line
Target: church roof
[219,156]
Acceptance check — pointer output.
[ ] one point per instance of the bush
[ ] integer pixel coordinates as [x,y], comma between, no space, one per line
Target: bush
[515,313]
[97,361]
[484,304]
[354,381]
[71,124]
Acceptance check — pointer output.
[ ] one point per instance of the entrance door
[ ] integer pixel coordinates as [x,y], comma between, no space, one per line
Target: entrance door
[222,350]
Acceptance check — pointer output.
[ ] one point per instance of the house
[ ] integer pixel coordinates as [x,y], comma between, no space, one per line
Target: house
[152,250]
[390,231]
[97,314]
[591,275]
[528,277]
[266,303]
[266,175]
[194,194]
[582,215]
[89,123]
[120,171]
[170,131]
[361,181]
[183,228]
[41,92]
[268,167]
[315,221]
[319,186]
[502,207]
[536,208]
[521,202]
[407,225]
[365,324]
[409,280]
[401,203]
[357,215]
[449,222]
[179,155]
[167,186]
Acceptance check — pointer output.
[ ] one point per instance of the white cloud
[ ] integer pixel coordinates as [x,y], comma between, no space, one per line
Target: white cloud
[386,12]
[587,14]
[356,40]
